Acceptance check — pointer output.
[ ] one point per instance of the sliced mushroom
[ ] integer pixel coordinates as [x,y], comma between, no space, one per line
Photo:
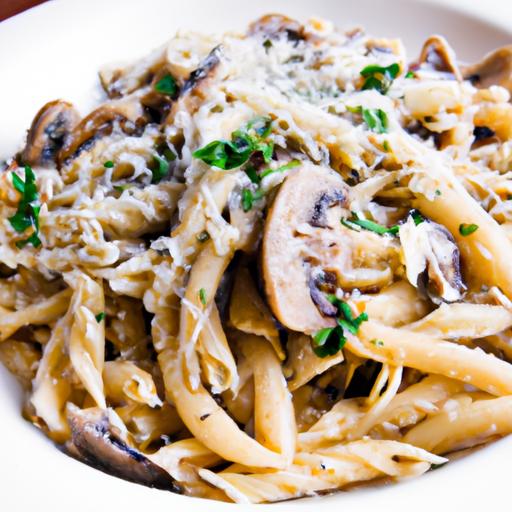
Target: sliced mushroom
[290,257]
[95,442]
[118,81]
[494,69]
[432,260]
[50,130]
[439,55]
[274,26]
[99,123]
[204,70]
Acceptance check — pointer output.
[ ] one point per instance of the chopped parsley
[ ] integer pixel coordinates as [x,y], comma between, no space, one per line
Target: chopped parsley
[29,207]
[376,119]
[438,192]
[100,317]
[330,340]
[356,223]
[248,195]
[377,343]
[108,164]
[230,154]
[467,229]
[379,78]
[202,296]
[160,169]
[167,85]
[248,198]
[203,236]
[409,74]
[386,147]
[286,167]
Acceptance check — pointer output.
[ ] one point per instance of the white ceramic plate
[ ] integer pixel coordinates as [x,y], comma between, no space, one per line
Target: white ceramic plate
[54,51]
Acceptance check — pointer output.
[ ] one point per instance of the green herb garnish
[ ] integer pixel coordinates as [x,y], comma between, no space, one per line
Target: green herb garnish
[100,316]
[369,225]
[376,119]
[386,147]
[248,195]
[409,74]
[230,154]
[202,296]
[167,85]
[330,340]
[286,167]
[248,198]
[27,214]
[467,229]
[356,223]
[160,170]
[108,164]
[380,78]
[377,343]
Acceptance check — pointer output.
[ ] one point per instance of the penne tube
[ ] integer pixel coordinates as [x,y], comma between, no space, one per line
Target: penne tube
[210,424]
[463,427]
[433,355]
[42,313]
[274,417]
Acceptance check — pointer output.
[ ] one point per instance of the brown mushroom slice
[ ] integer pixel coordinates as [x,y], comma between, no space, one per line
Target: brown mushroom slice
[50,130]
[494,69]
[205,69]
[95,442]
[99,123]
[118,81]
[274,26]
[310,196]
[439,55]
[430,252]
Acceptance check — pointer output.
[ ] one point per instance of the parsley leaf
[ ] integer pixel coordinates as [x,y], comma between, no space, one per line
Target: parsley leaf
[160,170]
[202,296]
[356,223]
[286,167]
[108,164]
[380,78]
[330,340]
[167,85]
[29,207]
[230,154]
[409,74]
[376,119]
[467,229]
[100,316]
[248,198]
[369,225]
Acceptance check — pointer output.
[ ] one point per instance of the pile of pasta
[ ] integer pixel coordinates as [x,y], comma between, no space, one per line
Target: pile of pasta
[269,265]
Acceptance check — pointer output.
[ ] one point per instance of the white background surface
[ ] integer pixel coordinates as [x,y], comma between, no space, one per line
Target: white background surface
[54,51]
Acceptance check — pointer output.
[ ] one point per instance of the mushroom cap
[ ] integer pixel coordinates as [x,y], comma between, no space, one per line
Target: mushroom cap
[439,54]
[95,443]
[311,199]
[494,69]
[49,131]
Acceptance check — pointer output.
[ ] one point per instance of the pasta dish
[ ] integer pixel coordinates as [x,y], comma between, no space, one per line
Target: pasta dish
[269,265]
